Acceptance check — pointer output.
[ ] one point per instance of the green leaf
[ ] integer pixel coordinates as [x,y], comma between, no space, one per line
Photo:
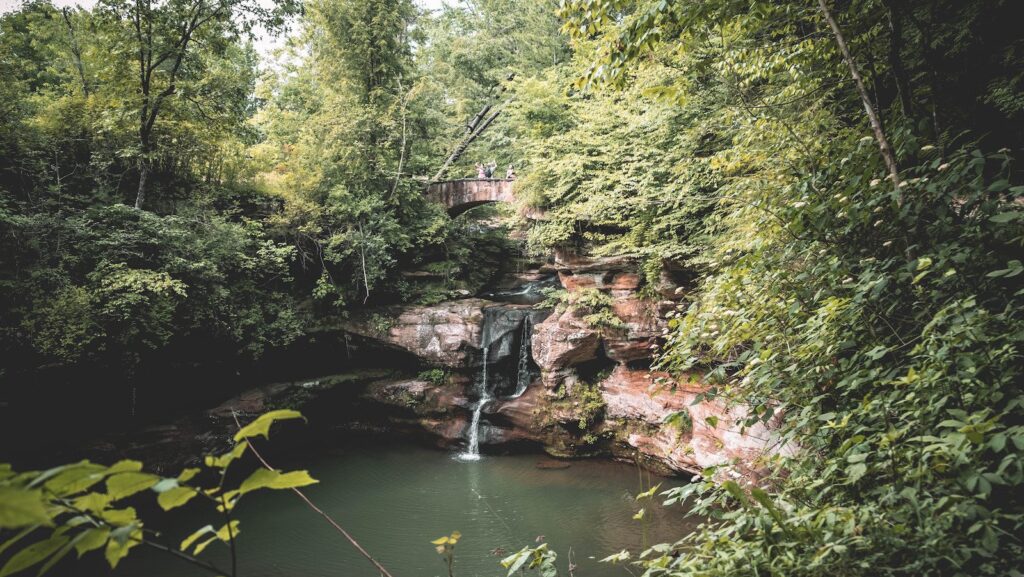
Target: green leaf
[268,479]
[1004,217]
[261,426]
[33,554]
[227,458]
[734,489]
[649,492]
[225,532]
[60,554]
[76,478]
[202,546]
[125,466]
[164,485]
[187,475]
[22,507]
[121,542]
[639,515]
[124,485]
[119,516]
[92,502]
[856,471]
[515,561]
[197,534]
[616,558]
[92,539]
[175,497]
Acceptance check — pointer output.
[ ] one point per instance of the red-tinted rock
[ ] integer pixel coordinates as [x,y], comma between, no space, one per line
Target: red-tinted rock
[642,327]
[442,334]
[563,340]
[638,403]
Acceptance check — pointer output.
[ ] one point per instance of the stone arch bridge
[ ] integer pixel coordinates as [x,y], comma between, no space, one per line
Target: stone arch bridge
[458,196]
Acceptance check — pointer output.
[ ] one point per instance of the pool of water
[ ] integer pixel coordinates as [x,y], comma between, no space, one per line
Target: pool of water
[396,499]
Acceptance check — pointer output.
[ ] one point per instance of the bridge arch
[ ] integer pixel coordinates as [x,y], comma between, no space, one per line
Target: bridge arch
[458,196]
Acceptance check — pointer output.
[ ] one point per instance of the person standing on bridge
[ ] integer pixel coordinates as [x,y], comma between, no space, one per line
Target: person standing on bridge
[490,168]
[480,171]
[510,173]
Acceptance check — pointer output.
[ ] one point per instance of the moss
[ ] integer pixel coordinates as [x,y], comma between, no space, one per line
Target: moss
[436,377]
[681,420]
[380,324]
[589,403]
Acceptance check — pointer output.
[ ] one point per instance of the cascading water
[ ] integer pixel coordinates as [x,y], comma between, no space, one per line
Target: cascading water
[501,326]
[523,368]
[473,450]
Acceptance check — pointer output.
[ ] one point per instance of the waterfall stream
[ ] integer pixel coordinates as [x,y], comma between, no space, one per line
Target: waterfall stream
[523,368]
[473,450]
[500,328]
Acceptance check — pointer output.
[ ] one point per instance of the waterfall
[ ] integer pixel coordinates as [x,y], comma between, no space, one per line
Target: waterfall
[500,326]
[523,369]
[473,450]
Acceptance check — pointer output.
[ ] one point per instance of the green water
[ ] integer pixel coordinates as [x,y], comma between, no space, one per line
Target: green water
[396,499]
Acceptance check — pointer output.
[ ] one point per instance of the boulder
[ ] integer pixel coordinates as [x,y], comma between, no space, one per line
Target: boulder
[642,327]
[422,397]
[563,340]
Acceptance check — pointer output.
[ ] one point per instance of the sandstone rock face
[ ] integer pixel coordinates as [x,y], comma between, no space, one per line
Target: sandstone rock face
[563,341]
[448,334]
[444,334]
[590,397]
[421,396]
[643,326]
[639,404]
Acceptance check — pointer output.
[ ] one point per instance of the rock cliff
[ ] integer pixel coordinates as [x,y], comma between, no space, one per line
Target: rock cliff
[594,393]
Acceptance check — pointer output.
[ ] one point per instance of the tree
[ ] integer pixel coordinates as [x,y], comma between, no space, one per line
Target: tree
[846,308]
[160,36]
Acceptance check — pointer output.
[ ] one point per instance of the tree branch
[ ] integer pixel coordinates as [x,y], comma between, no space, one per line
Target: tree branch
[319,511]
[876,125]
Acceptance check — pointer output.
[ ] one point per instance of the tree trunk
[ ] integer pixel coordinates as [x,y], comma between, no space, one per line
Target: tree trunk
[76,51]
[876,125]
[899,72]
[140,196]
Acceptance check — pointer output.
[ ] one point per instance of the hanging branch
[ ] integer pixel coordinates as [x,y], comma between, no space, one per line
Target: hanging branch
[876,125]
[76,50]
[459,150]
[362,258]
[384,572]
[473,130]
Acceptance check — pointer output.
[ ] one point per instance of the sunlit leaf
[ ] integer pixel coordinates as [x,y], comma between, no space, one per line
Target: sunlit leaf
[21,507]
[261,426]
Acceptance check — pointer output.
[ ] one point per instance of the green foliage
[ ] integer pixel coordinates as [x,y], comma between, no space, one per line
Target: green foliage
[63,508]
[126,283]
[681,420]
[632,183]
[381,324]
[593,305]
[881,325]
[588,404]
[540,558]
[436,377]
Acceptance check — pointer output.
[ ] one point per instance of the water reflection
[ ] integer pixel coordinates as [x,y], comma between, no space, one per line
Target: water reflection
[395,500]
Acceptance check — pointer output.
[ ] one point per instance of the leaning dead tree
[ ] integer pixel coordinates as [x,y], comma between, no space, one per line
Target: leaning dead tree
[474,128]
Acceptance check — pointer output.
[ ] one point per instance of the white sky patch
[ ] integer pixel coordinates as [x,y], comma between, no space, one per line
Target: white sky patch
[265,43]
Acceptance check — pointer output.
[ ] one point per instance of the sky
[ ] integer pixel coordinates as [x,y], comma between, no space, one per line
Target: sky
[265,43]
[8,5]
